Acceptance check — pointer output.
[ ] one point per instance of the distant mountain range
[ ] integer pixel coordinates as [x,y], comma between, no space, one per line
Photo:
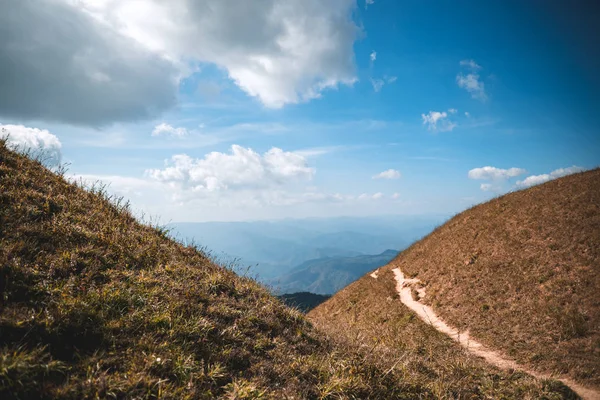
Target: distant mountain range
[272,249]
[327,275]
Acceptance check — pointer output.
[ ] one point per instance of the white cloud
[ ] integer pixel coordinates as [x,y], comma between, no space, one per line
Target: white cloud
[278,51]
[373,56]
[471,81]
[533,180]
[168,130]
[38,142]
[377,84]
[369,3]
[452,110]
[470,64]
[493,173]
[557,173]
[467,114]
[388,174]
[472,84]
[242,168]
[497,177]
[396,196]
[438,121]
[367,196]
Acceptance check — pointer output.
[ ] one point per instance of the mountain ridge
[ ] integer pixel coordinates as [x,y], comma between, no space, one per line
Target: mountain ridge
[327,275]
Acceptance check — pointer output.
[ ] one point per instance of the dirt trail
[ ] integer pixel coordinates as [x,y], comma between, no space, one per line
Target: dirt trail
[405,288]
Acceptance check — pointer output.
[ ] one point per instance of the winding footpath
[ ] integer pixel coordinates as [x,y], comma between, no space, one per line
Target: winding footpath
[405,288]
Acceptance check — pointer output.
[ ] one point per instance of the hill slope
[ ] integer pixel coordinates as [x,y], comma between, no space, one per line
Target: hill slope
[96,305]
[521,273]
[329,274]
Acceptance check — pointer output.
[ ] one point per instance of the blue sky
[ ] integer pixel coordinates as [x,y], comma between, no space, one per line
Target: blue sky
[392,107]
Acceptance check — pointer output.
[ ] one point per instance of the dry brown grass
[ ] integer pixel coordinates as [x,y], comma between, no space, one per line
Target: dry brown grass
[95,305]
[521,273]
[369,312]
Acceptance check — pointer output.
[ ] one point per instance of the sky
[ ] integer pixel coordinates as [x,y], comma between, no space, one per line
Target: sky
[206,110]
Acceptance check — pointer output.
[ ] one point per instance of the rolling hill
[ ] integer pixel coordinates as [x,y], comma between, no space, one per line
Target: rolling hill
[94,304]
[327,275]
[520,273]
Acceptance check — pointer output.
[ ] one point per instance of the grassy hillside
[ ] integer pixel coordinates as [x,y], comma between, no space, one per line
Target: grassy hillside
[329,274]
[369,312]
[96,305]
[521,273]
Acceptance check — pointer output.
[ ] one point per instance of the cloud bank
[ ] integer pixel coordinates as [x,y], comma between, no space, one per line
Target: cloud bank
[497,177]
[533,180]
[242,168]
[98,62]
[57,63]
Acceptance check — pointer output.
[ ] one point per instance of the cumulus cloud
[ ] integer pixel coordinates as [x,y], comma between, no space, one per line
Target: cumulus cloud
[388,174]
[369,3]
[39,143]
[57,63]
[377,196]
[373,56]
[471,81]
[396,196]
[242,168]
[278,51]
[533,180]
[168,130]
[439,121]
[107,61]
[496,176]
[472,84]
[493,173]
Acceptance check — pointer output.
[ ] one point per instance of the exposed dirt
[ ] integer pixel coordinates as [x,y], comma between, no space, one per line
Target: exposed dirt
[407,286]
